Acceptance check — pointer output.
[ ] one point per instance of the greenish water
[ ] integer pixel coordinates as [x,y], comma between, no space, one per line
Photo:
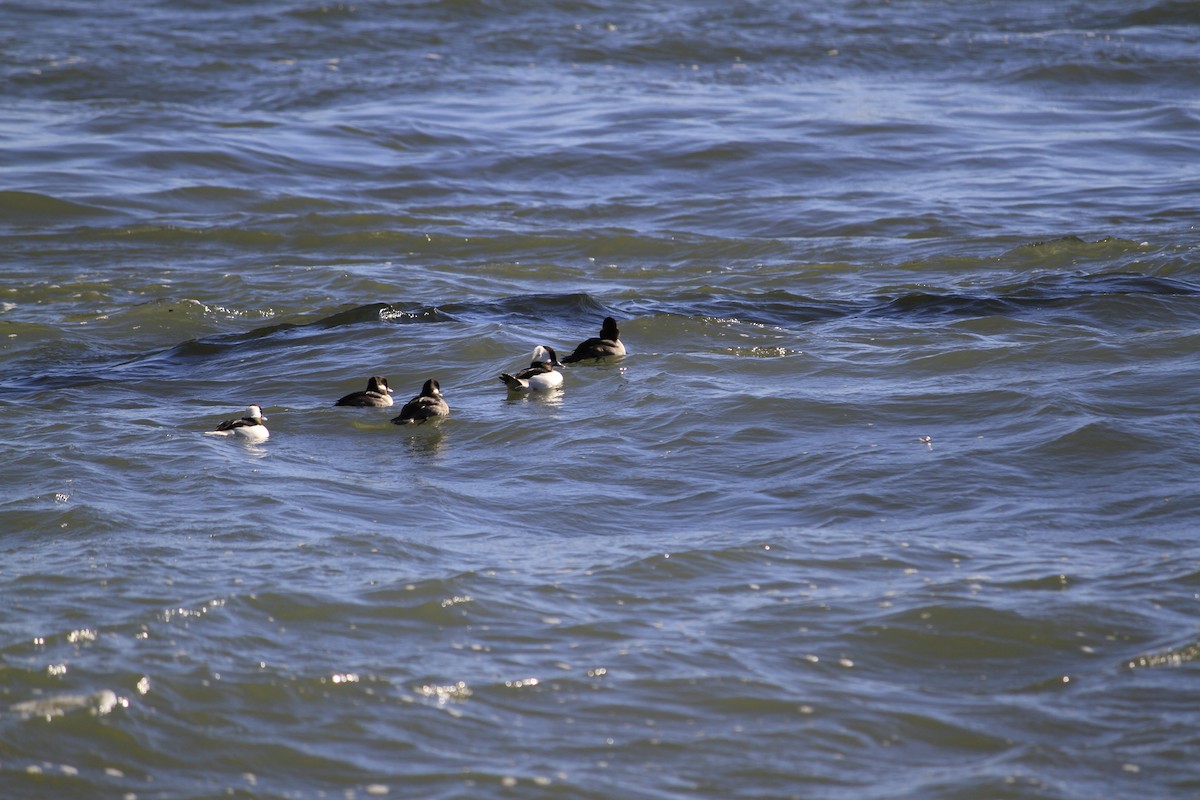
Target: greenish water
[893,496]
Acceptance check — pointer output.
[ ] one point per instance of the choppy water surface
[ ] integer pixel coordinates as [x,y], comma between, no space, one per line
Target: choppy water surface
[894,496]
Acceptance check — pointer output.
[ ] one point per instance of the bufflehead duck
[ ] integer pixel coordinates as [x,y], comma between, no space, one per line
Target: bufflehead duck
[429,404]
[540,374]
[249,427]
[377,395]
[607,344]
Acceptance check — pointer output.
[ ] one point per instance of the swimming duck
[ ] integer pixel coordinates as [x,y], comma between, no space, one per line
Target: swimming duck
[429,404]
[250,427]
[607,344]
[540,374]
[377,395]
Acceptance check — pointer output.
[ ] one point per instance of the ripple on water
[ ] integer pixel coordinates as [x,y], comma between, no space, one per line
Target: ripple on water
[897,471]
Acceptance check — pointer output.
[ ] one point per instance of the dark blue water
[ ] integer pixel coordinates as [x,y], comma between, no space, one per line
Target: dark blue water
[893,496]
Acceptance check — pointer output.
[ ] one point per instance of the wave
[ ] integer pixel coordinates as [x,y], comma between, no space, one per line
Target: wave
[1042,291]
[1173,657]
[1168,12]
[34,207]
[1038,293]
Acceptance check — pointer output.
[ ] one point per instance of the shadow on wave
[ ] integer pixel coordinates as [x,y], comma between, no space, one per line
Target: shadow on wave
[567,309]
[40,209]
[787,310]
[1045,291]
[570,311]
[141,365]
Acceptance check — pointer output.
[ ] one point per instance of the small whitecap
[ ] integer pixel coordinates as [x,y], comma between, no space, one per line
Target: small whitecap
[106,701]
[444,693]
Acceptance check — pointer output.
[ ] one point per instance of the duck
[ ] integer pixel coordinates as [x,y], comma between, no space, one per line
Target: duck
[251,428]
[377,395]
[540,374]
[429,404]
[606,345]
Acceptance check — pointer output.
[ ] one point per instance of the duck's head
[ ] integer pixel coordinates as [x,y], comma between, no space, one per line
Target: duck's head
[379,384]
[544,354]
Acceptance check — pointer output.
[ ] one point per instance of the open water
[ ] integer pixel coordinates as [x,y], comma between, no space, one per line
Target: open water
[896,494]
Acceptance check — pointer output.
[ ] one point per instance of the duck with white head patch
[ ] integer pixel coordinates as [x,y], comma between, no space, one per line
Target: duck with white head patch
[541,373]
[377,395]
[250,428]
[606,345]
[429,404]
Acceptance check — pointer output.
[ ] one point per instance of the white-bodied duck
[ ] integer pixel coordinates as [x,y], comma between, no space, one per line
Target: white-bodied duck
[251,428]
[541,373]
